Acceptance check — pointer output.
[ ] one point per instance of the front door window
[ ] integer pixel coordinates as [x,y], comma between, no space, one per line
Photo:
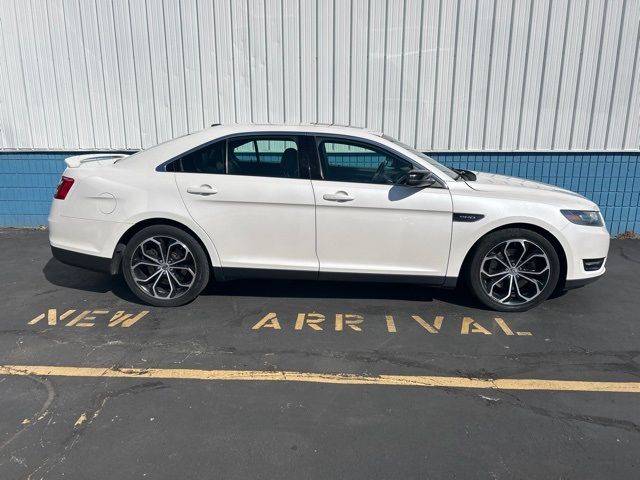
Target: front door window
[344,161]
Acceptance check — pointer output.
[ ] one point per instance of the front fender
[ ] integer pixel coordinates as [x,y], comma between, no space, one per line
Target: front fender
[465,235]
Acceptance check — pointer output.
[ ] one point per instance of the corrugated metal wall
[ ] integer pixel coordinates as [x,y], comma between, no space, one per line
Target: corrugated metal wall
[449,75]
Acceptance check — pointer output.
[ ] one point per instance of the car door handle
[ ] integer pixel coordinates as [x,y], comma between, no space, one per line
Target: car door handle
[338,197]
[201,190]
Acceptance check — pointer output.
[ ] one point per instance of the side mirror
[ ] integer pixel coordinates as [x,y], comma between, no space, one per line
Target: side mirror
[420,179]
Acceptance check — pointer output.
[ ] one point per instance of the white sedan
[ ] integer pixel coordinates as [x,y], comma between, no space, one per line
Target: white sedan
[322,203]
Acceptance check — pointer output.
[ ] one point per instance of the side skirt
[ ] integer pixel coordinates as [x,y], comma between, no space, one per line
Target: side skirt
[226,273]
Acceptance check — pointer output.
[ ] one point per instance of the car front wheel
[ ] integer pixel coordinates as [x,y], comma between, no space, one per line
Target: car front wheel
[164,266]
[513,270]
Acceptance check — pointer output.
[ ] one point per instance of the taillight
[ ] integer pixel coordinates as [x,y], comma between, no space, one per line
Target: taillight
[63,188]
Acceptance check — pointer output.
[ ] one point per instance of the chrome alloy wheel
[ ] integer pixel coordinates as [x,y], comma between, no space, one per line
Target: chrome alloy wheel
[515,272]
[163,267]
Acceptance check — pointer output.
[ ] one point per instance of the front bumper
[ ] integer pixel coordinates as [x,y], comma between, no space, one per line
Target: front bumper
[582,243]
[580,282]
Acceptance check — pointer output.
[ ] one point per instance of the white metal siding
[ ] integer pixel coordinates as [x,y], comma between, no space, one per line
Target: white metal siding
[450,75]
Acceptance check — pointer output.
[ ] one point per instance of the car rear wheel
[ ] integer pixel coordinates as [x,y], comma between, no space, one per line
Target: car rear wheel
[513,270]
[165,266]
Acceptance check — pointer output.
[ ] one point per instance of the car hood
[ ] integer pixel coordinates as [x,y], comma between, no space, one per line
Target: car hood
[523,189]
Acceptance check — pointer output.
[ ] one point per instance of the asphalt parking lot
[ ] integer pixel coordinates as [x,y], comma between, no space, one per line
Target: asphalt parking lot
[280,379]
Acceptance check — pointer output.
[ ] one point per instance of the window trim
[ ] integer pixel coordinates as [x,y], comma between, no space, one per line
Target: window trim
[303,172]
[314,160]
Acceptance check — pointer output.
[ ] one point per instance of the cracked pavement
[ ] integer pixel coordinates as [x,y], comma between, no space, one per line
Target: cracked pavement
[100,428]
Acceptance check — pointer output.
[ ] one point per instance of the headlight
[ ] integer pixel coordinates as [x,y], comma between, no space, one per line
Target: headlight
[583,217]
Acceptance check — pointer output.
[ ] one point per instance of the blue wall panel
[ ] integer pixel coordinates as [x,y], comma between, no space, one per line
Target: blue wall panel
[27,183]
[28,180]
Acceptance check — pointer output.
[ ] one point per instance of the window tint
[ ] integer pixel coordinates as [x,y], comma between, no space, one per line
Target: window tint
[209,159]
[263,157]
[245,151]
[344,161]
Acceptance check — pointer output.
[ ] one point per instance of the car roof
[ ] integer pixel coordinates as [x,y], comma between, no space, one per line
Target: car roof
[292,127]
[177,146]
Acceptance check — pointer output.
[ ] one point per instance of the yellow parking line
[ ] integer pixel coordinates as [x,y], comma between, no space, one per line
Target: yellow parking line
[334,378]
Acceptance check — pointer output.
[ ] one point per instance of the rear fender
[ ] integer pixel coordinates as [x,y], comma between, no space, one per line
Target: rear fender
[134,224]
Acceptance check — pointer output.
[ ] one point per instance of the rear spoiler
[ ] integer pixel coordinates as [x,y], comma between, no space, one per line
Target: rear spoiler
[101,158]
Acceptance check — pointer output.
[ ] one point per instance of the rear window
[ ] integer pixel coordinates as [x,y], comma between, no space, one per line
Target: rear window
[208,159]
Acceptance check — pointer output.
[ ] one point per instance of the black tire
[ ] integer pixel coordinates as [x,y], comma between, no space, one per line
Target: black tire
[480,281]
[172,240]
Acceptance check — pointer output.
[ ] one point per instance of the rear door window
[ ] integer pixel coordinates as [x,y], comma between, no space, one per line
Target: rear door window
[263,157]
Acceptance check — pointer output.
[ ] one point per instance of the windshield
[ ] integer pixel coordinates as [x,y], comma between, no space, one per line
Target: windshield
[424,157]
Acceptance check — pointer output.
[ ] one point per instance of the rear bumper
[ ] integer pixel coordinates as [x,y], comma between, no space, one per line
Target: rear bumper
[88,236]
[82,260]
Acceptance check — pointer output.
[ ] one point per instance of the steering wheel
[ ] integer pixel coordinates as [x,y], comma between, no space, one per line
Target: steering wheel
[382,175]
